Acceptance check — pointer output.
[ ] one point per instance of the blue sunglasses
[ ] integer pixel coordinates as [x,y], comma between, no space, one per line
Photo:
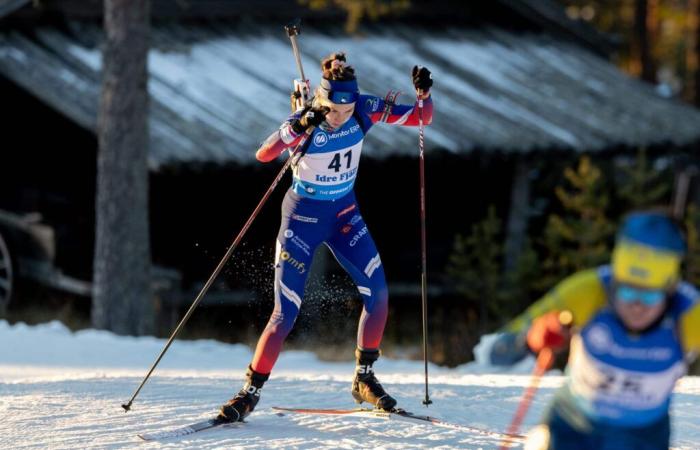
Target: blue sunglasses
[628,294]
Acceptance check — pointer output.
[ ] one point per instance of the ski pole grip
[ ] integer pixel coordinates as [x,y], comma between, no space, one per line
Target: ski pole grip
[293,28]
[566,318]
[546,356]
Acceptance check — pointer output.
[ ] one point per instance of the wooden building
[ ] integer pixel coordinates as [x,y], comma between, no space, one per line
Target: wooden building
[514,81]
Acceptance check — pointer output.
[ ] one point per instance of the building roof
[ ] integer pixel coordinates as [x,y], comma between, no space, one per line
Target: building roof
[219,89]
[10,6]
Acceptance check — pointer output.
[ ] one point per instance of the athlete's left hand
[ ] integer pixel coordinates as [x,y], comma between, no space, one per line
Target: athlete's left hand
[552,330]
[422,80]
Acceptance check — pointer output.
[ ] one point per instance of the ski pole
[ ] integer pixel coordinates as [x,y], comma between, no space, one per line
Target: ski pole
[544,361]
[680,195]
[424,264]
[222,263]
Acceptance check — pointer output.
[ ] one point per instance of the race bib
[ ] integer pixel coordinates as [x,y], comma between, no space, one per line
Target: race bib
[613,392]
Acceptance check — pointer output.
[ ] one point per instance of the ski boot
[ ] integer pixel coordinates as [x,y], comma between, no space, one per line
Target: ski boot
[236,409]
[365,387]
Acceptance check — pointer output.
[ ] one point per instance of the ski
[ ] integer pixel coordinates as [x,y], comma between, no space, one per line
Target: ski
[185,430]
[402,414]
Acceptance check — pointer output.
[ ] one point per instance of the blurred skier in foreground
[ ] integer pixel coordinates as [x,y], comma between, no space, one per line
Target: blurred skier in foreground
[636,326]
[320,207]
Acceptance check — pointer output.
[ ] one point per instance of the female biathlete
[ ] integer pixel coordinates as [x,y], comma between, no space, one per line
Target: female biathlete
[320,207]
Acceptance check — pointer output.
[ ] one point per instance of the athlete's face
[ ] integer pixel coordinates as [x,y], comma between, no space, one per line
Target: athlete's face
[339,114]
[638,308]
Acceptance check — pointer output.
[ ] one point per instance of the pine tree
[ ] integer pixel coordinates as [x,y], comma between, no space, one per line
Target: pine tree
[521,285]
[642,185]
[692,261]
[580,237]
[691,271]
[475,265]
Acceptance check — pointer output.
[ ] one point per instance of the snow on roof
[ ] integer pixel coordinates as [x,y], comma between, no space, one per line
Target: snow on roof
[9,6]
[218,90]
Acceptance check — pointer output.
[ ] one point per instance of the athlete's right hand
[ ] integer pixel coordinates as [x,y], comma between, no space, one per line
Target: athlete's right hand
[311,118]
[422,80]
[552,330]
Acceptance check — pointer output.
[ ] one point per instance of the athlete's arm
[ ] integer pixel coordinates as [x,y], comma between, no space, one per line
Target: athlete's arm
[276,143]
[582,294]
[690,329]
[393,114]
[289,133]
[410,115]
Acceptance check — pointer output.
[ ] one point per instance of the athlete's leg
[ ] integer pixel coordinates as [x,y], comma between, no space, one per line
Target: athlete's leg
[353,247]
[298,237]
[296,242]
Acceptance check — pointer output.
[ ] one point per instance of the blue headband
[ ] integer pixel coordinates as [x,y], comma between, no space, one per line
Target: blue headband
[341,92]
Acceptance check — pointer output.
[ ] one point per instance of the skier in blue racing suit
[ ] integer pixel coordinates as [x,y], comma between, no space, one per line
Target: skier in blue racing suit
[637,327]
[320,208]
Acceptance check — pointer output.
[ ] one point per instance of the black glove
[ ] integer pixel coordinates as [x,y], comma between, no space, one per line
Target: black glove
[422,79]
[313,117]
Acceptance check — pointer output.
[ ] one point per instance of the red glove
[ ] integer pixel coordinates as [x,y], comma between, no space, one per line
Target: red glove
[551,330]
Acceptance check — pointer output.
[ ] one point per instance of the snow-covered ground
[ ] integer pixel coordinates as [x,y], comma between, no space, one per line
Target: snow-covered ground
[63,390]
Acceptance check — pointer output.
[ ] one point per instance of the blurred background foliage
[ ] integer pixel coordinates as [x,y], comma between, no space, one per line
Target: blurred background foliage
[359,10]
[658,40]
[577,233]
